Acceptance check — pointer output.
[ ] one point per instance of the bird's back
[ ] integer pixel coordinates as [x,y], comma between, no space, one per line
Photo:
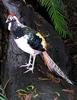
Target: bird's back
[32,38]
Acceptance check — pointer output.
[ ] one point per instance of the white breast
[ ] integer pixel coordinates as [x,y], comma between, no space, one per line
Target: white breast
[23,45]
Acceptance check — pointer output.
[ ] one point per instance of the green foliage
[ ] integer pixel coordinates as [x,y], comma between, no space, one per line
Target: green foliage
[2,95]
[27,90]
[55,11]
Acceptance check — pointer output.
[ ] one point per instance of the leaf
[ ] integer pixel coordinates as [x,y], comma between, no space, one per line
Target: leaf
[55,12]
[2,97]
[28,89]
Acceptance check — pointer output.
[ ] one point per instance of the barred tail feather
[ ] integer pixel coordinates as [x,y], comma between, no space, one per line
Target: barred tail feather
[53,67]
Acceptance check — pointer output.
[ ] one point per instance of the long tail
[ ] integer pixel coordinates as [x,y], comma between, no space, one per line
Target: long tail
[53,67]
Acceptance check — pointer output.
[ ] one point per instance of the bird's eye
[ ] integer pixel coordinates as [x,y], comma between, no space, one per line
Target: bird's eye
[8,18]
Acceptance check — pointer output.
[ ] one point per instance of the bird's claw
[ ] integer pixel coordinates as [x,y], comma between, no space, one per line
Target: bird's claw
[29,69]
[26,65]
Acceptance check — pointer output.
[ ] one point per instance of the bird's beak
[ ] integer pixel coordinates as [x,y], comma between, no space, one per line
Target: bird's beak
[8,21]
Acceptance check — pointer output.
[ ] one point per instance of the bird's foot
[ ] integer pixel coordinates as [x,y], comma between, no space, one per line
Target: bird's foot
[29,69]
[26,65]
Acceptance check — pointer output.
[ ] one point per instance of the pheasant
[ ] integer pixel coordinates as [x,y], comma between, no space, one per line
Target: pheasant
[33,43]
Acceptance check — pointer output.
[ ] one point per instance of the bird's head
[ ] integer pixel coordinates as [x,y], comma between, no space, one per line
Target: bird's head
[10,20]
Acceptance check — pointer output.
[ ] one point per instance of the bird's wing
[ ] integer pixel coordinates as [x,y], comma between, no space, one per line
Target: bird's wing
[35,39]
[44,44]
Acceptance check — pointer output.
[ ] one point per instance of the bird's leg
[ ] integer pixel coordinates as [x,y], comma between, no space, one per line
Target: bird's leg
[31,68]
[28,64]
